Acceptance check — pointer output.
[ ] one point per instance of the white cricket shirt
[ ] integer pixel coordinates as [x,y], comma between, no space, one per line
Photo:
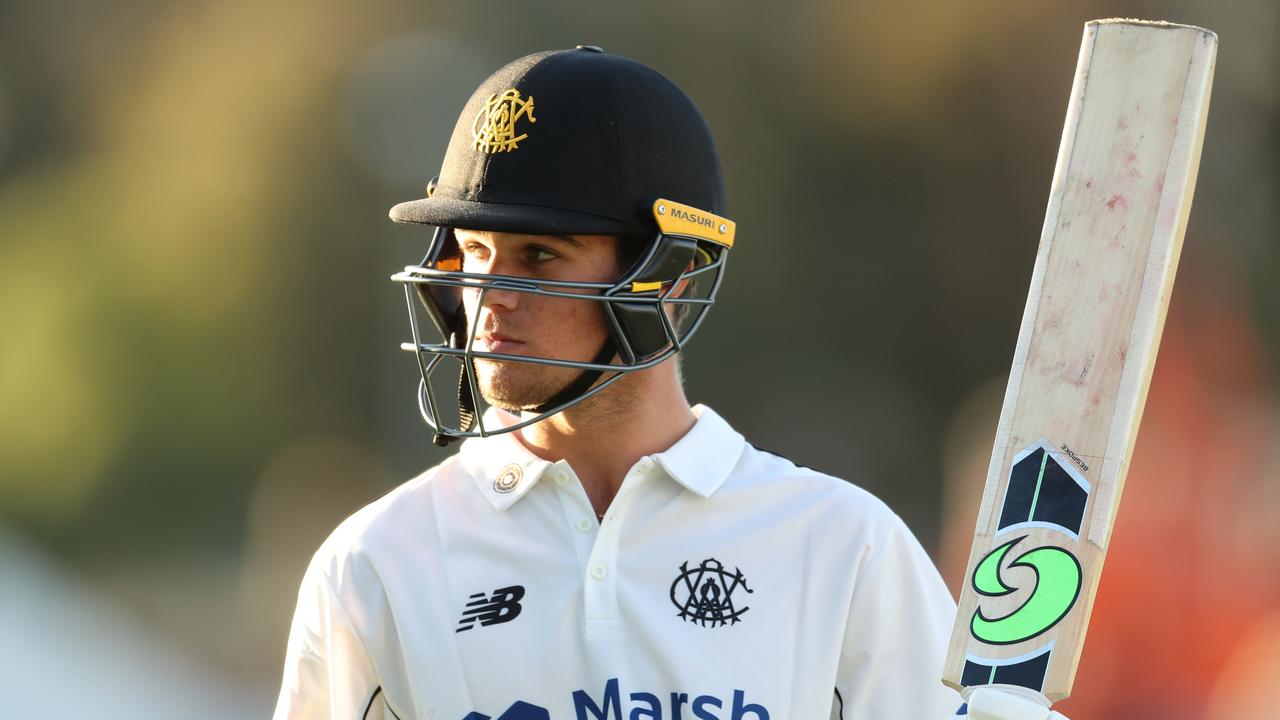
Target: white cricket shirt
[725,583]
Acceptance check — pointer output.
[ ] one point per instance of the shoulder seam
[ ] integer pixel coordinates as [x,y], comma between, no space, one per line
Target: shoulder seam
[780,456]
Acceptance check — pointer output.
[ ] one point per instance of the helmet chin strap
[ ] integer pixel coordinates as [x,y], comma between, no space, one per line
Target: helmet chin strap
[583,382]
[466,402]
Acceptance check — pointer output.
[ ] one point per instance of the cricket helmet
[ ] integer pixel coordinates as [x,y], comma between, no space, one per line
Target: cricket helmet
[570,142]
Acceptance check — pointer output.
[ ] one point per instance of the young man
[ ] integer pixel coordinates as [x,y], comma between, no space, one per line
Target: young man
[598,548]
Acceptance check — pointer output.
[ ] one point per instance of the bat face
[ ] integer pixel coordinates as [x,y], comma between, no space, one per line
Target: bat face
[1112,235]
[1031,579]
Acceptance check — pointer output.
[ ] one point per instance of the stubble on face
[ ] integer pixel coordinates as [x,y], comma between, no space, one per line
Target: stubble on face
[507,389]
[517,386]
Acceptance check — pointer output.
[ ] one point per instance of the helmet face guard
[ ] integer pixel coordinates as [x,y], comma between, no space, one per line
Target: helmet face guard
[650,312]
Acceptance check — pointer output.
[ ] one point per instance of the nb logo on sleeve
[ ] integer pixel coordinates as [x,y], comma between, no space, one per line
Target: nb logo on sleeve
[503,605]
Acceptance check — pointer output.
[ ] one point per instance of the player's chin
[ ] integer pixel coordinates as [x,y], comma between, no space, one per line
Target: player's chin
[516,387]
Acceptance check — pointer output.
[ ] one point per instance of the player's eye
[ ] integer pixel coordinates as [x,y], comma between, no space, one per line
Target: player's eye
[539,254]
[474,249]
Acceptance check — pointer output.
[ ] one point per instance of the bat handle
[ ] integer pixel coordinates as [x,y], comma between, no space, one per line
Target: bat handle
[1007,702]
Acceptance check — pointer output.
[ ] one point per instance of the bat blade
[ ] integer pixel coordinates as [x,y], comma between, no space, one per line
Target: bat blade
[1112,235]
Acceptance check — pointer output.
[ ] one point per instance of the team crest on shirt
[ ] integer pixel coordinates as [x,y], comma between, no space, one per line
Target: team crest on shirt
[705,594]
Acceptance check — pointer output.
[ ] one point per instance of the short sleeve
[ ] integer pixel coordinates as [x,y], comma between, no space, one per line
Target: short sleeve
[900,620]
[327,672]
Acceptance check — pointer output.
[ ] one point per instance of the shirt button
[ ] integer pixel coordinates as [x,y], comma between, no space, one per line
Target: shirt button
[599,571]
[584,525]
[561,480]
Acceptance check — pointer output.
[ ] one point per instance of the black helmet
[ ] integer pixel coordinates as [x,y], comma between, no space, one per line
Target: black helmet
[572,142]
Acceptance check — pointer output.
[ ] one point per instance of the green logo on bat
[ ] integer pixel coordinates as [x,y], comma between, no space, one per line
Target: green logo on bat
[1058,579]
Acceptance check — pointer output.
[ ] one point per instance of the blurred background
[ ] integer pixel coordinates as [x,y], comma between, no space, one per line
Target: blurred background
[199,364]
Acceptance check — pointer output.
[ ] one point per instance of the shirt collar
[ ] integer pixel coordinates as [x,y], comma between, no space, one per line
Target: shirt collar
[704,457]
[501,466]
[504,469]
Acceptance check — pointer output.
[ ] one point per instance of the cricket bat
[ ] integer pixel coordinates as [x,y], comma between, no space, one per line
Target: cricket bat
[1117,212]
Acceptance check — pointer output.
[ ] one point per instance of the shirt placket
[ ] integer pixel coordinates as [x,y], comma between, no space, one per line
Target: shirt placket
[597,544]
[578,514]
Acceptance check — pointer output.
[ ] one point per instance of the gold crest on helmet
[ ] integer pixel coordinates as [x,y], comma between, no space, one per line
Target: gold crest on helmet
[495,127]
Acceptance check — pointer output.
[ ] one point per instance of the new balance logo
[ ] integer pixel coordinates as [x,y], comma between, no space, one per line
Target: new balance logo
[502,606]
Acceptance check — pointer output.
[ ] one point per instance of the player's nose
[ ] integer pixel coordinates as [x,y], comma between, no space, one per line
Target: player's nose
[497,297]
[497,293]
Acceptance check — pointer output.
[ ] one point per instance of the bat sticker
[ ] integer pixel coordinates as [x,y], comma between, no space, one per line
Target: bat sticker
[1026,671]
[1058,579]
[1043,491]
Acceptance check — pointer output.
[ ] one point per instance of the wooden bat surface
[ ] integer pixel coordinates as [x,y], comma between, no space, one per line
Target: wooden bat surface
[1117,212]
